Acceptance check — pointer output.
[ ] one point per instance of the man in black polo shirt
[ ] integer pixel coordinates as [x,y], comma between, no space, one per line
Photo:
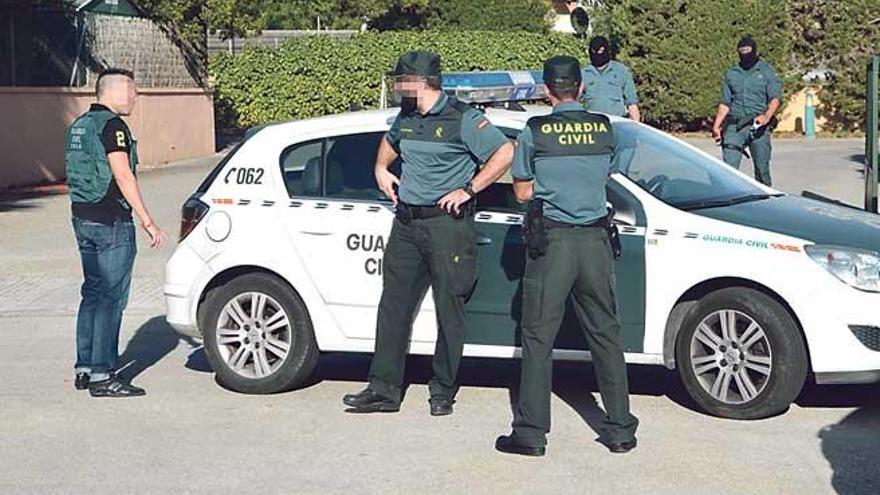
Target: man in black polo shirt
[433,240]
[101,162]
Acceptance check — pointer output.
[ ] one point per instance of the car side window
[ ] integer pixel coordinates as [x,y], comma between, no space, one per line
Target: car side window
[499,197]
[350,164]
[301,168]
[673,172]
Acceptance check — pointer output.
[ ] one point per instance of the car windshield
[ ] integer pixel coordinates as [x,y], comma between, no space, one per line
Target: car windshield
[676,174]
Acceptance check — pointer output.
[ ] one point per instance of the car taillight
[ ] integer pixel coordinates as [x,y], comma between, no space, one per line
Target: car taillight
[192,213]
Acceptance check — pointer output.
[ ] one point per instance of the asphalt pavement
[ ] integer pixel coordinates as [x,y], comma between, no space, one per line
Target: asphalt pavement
[191,436]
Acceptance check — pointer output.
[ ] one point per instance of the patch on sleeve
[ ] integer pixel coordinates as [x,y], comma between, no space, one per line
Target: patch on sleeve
[483,123]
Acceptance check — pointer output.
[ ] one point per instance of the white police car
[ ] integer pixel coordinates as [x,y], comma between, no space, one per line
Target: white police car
[743,289]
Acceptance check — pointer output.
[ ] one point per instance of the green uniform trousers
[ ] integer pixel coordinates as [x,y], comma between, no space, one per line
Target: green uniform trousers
[760,149]
[440,252]
[578,263]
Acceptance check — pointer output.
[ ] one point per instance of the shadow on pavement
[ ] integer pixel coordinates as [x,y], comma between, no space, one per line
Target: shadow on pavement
[20,199]
[857,158]
[852,448]
[573,382]
[154,340]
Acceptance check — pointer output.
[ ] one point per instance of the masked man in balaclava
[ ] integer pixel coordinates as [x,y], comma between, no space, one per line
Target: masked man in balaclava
[750,96]
[608,84]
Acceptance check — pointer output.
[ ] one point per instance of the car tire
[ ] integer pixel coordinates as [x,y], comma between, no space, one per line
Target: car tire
[754,372]
[239,324]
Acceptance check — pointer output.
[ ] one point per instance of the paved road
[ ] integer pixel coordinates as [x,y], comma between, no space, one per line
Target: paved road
[189,435]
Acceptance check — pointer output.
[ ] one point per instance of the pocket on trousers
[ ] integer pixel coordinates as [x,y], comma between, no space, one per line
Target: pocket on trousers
[532,300]
[462,265]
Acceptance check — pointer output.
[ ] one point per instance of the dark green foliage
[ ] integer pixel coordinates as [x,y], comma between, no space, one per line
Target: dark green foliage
[838,35]
[319,75]
[469,15]
[679,50]
[490,15]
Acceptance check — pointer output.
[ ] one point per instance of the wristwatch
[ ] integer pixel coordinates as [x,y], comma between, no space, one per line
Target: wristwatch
[469,189]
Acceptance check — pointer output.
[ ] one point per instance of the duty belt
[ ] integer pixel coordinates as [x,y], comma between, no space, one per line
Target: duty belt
[553,224]
[420,212]
[406,213]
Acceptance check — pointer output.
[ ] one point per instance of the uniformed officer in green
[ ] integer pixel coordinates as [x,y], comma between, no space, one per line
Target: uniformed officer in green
[433,240]
[750,96]
[101,163]
[608,84]
[563,160]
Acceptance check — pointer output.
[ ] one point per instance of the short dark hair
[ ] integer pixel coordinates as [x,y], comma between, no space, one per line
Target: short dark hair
[112,71]
[564,91]
[434,82]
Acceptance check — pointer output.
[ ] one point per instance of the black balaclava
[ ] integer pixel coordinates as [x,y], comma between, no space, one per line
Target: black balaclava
[747,60]
[600,51]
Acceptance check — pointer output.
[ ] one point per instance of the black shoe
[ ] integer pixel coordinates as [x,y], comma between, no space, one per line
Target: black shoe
[509,445]
[441,407]
[82,381]
[621,447]
[367,401]
[114,387]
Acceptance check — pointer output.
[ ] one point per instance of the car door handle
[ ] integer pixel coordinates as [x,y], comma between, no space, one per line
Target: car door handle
[483,240]
[307,232]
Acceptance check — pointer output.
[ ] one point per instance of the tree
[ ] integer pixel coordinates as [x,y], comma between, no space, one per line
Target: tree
[468,15]
[490,15]
[344,14]
[679,50]
[233,18]
[838,36]
[190,18]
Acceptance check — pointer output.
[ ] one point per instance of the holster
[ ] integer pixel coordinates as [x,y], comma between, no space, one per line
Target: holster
[534,231]
[402,213]
[613,234]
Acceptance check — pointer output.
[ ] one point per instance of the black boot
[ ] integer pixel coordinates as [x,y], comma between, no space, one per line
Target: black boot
[441,406]
[621,447]
[510,445]
[82,381]
[368,401]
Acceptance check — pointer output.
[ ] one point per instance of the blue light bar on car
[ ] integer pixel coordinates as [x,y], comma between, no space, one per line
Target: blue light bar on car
[486,87]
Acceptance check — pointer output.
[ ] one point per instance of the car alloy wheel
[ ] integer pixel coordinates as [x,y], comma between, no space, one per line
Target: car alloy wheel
[253,335]
[731,356]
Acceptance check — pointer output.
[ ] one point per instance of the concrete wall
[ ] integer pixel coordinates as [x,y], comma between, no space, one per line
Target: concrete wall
[169,124]
[792,119]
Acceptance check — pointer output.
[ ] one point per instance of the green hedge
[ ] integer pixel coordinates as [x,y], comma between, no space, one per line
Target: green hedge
[319,75]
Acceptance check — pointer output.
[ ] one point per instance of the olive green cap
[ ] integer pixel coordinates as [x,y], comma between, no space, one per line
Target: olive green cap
[562,70]
[417,63]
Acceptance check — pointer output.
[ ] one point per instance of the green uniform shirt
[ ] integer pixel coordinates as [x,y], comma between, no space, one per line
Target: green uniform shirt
[439,149]
[568,154]
[609,91]
[748,92]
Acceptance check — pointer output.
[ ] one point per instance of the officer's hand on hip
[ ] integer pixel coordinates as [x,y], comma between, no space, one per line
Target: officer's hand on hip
[761,120]
[716,133]
[452,202]
[386,181]
[157,235]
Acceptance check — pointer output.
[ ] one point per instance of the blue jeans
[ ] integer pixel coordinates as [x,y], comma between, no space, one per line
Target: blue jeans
[107,253]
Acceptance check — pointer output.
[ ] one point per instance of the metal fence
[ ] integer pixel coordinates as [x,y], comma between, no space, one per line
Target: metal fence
[268,38]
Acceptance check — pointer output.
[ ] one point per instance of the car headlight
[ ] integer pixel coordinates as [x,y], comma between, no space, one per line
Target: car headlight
[858,268]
